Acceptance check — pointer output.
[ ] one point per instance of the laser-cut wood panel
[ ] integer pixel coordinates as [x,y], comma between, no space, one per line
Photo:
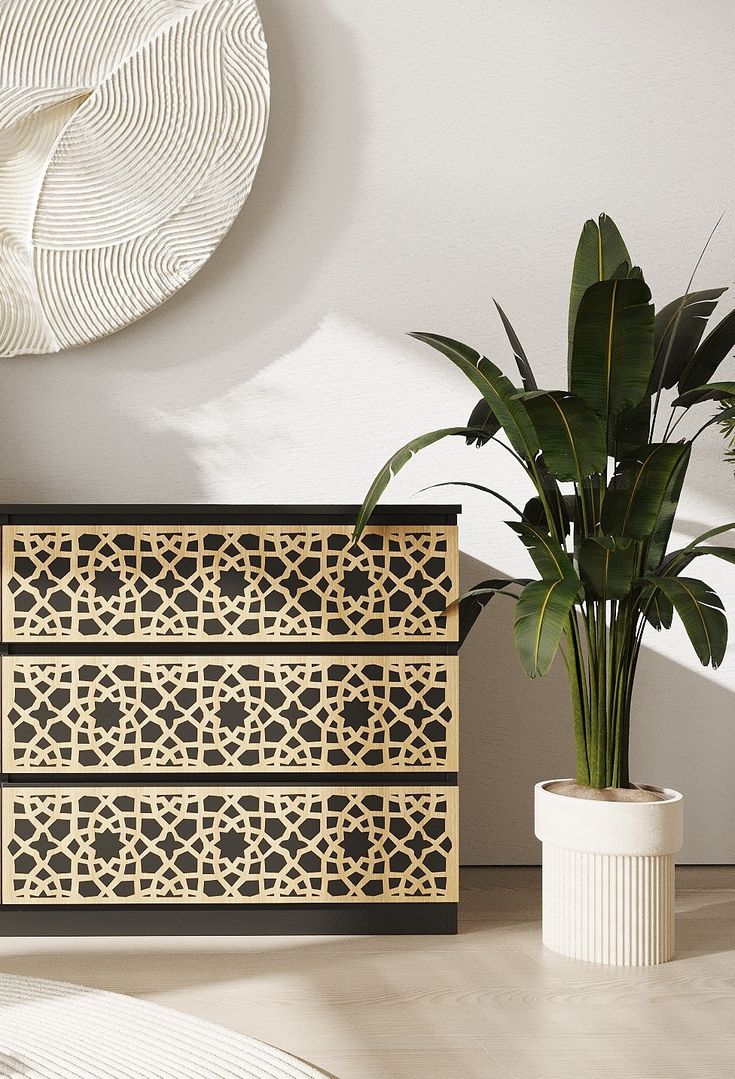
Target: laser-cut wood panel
[228,713]
[81,583]
[228,845]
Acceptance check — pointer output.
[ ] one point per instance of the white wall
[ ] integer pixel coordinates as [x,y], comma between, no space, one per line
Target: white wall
[423,156]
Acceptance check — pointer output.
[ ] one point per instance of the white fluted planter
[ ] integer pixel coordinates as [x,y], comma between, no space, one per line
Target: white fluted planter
[608,876]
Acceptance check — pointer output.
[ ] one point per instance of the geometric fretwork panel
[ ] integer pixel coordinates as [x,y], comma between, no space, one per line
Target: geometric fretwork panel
[257,583]
[214,844]
[160,714]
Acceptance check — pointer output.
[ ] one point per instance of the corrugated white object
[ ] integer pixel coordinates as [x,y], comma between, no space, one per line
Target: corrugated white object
[608,877]
[130,133]
[59,1031]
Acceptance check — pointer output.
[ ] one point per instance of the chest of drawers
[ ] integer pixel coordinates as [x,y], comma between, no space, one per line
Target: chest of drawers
[228,719]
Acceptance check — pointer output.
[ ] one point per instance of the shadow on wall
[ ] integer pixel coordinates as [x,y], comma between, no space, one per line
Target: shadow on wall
[517,731]
[514,732]
[300,202]
[75,425]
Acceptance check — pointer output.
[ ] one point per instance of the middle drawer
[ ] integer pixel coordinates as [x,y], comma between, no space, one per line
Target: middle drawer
[129,714]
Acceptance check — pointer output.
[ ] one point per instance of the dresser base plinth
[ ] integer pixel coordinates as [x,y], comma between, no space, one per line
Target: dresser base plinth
[314,919]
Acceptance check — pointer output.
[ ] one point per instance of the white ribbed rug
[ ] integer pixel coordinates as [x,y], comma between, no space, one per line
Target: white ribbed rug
[49,1030]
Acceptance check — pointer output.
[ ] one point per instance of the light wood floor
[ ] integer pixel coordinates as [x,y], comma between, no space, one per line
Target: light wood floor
[488,1004]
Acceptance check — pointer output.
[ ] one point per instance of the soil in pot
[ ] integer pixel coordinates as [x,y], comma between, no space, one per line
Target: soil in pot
[607,794]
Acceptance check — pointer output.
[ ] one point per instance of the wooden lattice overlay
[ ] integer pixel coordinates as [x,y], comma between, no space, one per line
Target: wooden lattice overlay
[226,583]
[156,714]
[228,845]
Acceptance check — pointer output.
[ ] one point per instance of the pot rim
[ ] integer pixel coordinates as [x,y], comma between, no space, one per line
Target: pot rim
[614,828]
[671,794]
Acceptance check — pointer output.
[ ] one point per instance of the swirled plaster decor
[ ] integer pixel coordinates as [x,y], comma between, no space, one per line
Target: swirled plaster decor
[130,132]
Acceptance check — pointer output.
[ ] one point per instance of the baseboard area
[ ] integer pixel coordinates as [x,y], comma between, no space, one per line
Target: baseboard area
[310,919]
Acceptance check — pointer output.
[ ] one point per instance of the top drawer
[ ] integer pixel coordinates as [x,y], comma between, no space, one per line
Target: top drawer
[155,583]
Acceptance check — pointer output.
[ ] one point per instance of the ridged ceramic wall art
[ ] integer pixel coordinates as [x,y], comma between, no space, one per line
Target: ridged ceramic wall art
[130,133]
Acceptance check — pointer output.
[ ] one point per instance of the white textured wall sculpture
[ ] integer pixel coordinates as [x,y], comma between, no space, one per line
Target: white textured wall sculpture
[130,132]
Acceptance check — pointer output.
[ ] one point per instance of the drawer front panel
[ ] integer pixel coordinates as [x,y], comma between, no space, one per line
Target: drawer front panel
[161,714]
[232,583]
[124,845]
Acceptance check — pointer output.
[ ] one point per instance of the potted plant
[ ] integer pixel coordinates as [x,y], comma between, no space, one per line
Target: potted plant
[606,461]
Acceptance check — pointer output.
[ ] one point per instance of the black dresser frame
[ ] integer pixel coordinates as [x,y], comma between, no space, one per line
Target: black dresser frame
[190,919]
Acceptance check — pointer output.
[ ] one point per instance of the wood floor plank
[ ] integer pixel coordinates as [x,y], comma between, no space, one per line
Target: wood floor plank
[677,1057]
[470,1064]
[491,1003]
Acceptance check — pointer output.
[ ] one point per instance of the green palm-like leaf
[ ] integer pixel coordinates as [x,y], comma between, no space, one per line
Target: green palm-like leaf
[558,503]
[710,354]
[678,330]
[473,603]
[601,253]
[393,465]
[702,613]
[484,421]
[476,487]
[637,491]
[549,557]
[657,608]
[612,350]
[524,367]
[677,561]
[667,510]
[569,433]
[711,391]
[495,387]
[534,513]
[607,571]
[612,247]
[587,269]
[541,615]
[629,429]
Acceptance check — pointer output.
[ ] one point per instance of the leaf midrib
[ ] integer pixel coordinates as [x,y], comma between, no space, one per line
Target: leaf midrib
[496,395]
[611,324]
[569,434]
[696,603]
[549,550]
[635,488]
[544,605]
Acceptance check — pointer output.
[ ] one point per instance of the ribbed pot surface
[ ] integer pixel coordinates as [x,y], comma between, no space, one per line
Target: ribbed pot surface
[608,877]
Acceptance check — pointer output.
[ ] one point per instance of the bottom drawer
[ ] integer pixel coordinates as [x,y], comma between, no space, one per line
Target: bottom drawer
[275,844]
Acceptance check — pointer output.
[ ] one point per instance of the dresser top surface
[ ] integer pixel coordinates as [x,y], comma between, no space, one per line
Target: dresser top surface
[169,513]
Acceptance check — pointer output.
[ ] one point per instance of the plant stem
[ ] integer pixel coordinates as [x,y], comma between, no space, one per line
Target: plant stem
[575,669]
